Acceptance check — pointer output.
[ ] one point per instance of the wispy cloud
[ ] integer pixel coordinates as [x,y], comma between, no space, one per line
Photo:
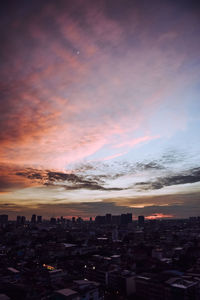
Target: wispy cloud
[158,216]
[189,176]
[107,86]
[135,142]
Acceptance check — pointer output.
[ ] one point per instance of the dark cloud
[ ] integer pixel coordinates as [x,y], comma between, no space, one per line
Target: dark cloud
[189,176]
[69,181]
[149,166]
[172,156]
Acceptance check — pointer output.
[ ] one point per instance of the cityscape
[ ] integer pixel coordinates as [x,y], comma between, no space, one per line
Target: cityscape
[100,150]
[110,257]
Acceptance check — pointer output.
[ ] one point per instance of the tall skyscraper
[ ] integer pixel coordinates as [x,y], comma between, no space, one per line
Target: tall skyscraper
[19,218]
[39,219]
[3,219]
[108,218]
[126,218]
[53,221]
[141,221]
[33,219]
[23,220]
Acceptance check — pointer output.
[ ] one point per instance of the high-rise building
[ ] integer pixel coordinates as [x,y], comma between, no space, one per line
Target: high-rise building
[53,221]
[100,219]
[116,220]
[141,221]
[108,218]
[23,220]
[126,219]
[3,219]
[129,218]
[33,219]
[39,219]
[19,218]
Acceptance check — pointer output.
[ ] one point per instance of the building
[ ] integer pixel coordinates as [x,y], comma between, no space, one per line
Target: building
[4,297]
[23,220]
[39,219]
[53,221]
[182,289]
[126,219]
[108,218]
[19,218]
[100,220]
[141,221]
[33,219]
[3,219]
[116,220]
[66,294]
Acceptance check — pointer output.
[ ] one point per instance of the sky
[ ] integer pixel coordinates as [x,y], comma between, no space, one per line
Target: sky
[100,108]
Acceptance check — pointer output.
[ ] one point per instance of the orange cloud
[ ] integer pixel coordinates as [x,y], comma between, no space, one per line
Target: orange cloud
[158,216]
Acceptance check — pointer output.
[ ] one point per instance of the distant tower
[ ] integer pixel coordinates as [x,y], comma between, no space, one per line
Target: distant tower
[39,219]
[23,220]
[141,221]
[126,219]
[53,221]
[3,219]
[19,220]
[33,219]
[108,218]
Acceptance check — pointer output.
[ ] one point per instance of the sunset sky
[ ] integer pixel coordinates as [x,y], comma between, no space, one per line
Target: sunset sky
[100,108]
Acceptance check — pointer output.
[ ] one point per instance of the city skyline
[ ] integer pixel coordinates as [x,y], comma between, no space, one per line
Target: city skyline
[100,108]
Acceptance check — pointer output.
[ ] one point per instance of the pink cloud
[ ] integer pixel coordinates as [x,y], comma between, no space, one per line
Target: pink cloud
[158,216]
[113,156]
[65,107]
[134,142]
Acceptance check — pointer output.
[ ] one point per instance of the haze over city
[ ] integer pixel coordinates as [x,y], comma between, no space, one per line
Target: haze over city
[100,108]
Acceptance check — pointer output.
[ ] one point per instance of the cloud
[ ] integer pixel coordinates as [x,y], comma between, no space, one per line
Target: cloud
[69,181]
[158,216]
[136,141]
[113,156]
[9,181]
[81,79]
[67,106]
[188,207]
[152,165]
[189,176]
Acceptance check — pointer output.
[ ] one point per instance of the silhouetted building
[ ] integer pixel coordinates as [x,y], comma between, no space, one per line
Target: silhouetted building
[23,220]
[3,219]
[33,219]
[100,219]
[141,221]
[108,218]
[19,218]
[53,221]
[116,220]
[79,220]
[126,219]
[39,219]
